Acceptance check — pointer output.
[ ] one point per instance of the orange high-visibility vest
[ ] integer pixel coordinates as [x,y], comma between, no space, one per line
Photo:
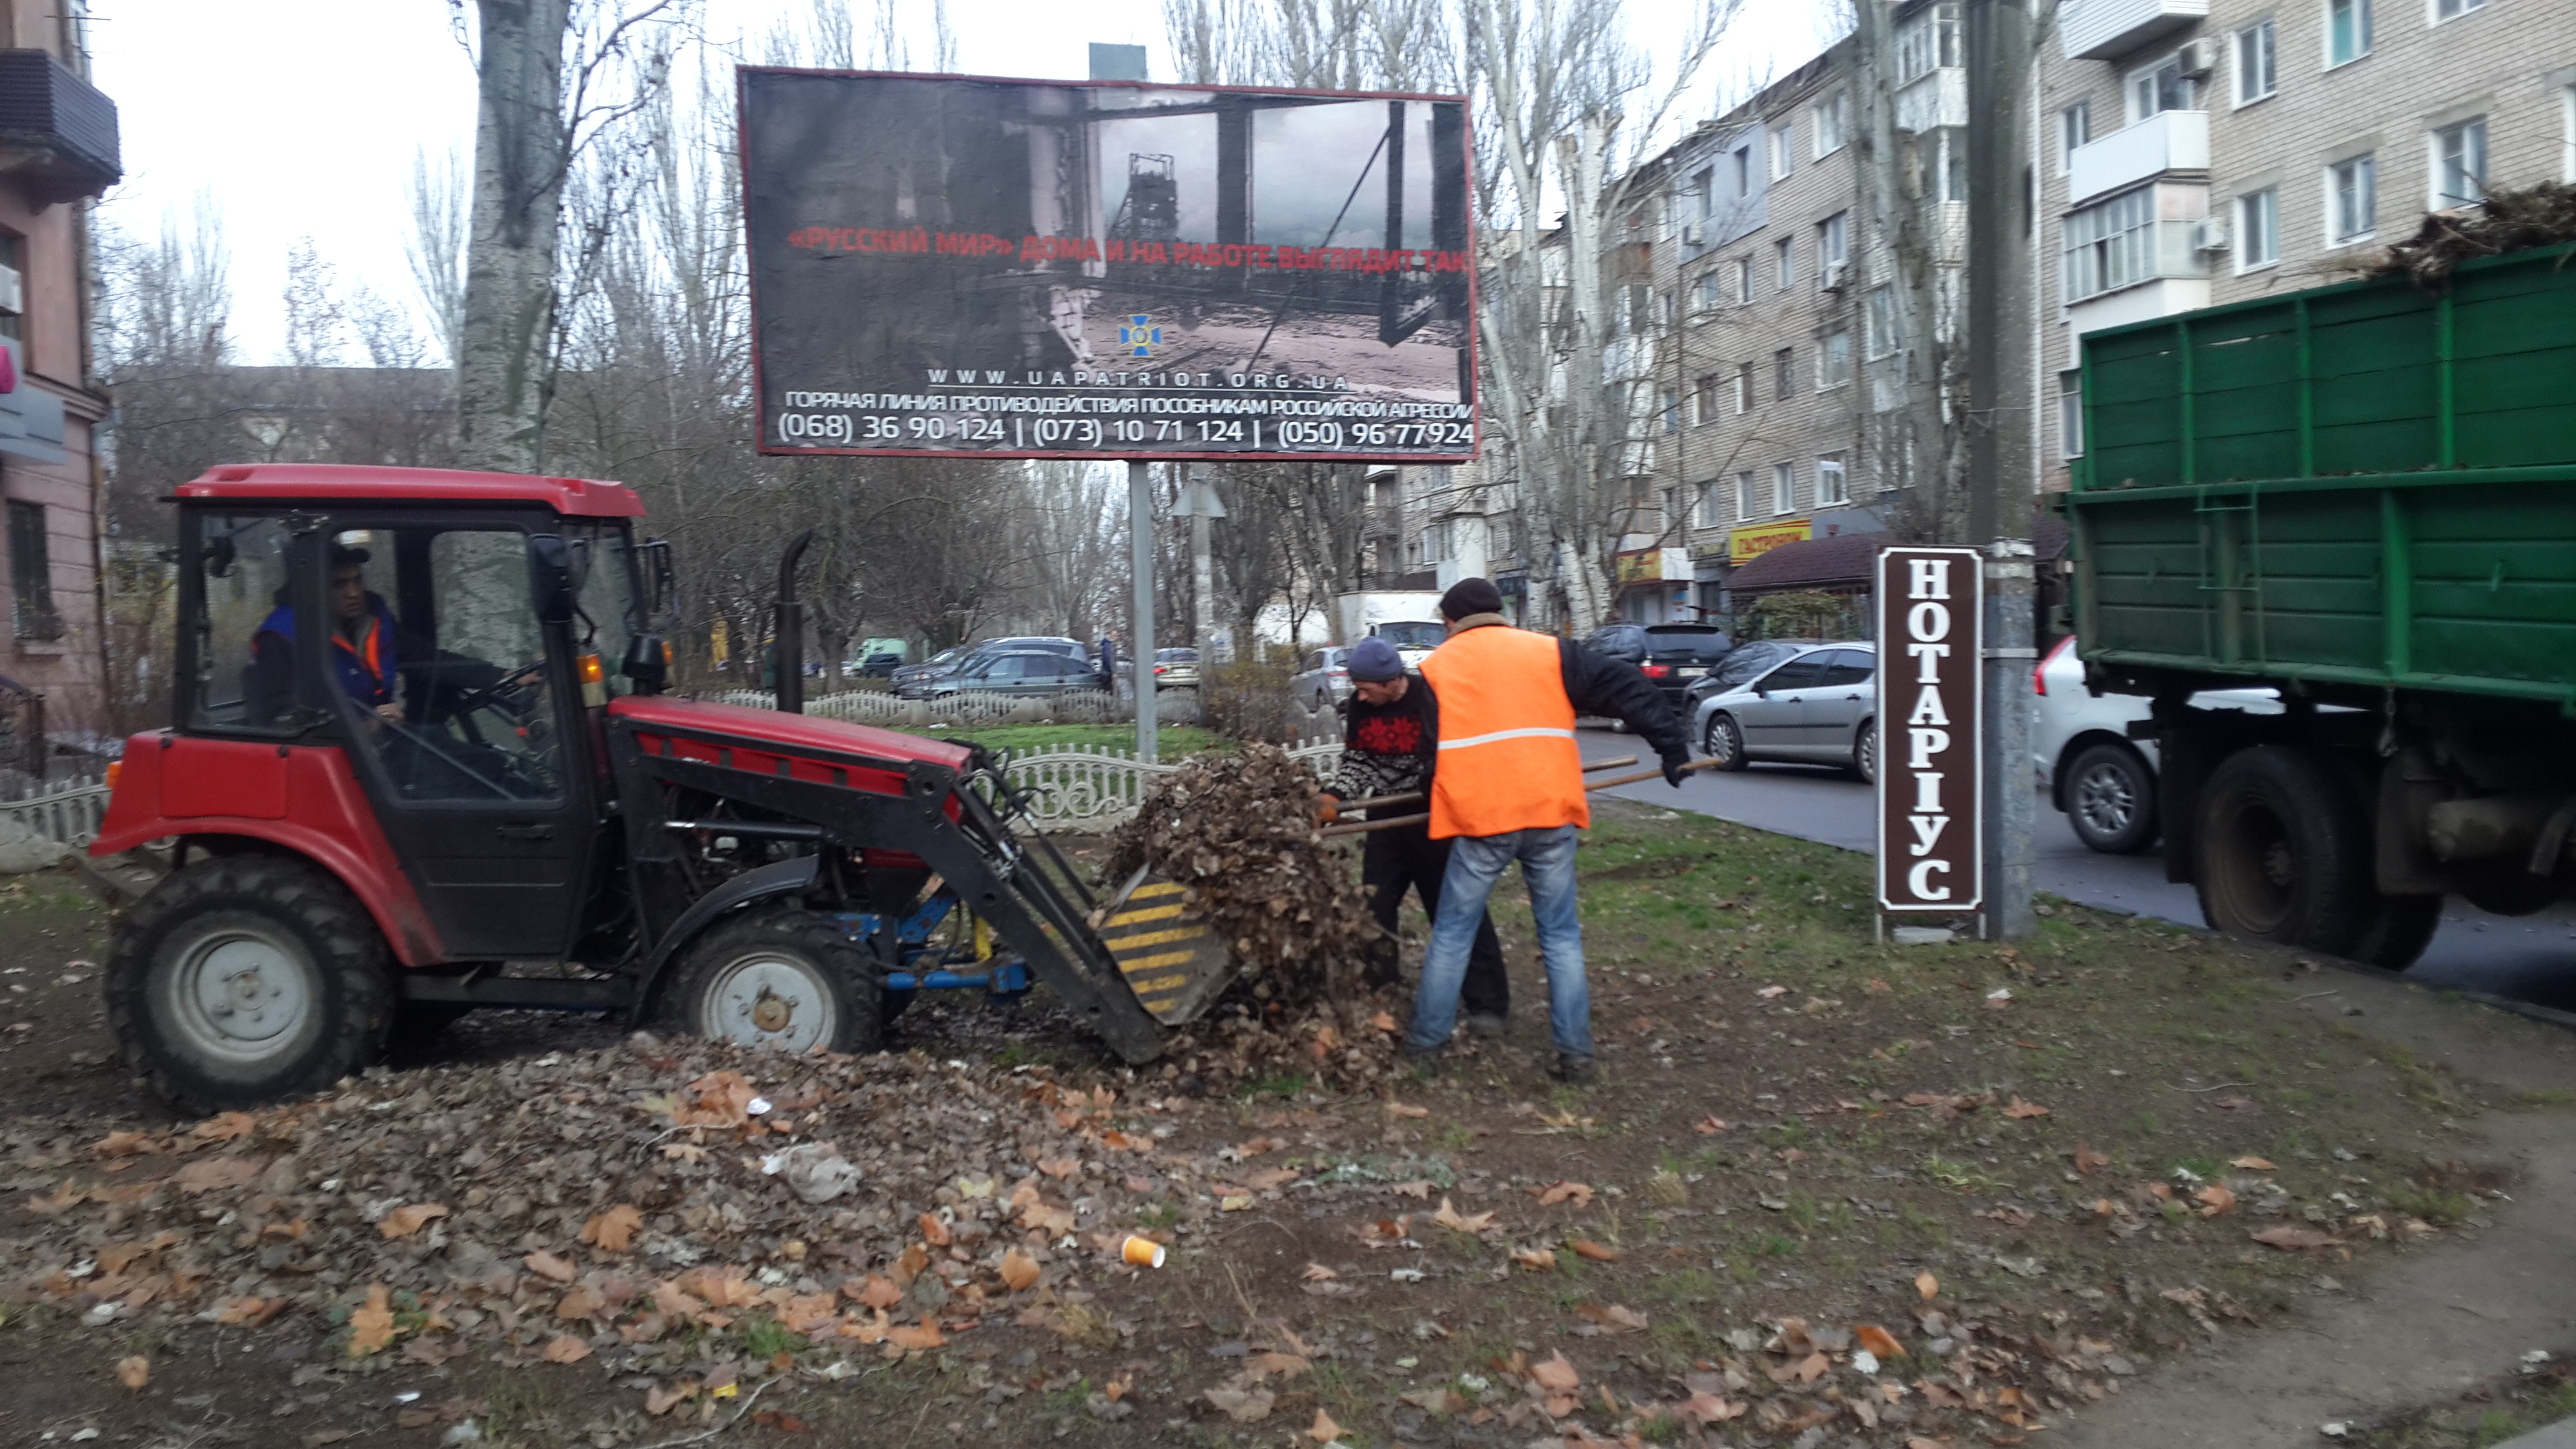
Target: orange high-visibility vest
[1508,760]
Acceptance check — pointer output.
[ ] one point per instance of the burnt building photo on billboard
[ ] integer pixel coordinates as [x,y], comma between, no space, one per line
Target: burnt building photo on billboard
[944,240]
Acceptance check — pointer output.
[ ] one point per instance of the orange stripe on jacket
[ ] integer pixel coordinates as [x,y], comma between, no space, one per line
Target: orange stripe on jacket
[1508,759]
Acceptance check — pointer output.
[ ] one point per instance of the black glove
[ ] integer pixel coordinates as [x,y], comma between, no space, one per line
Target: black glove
[1673,767]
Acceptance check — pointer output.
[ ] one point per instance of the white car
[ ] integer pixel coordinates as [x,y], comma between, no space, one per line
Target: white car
[1815,707]
[2104,781]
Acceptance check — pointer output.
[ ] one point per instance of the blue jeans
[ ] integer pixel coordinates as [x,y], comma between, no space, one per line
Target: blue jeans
[1476,862]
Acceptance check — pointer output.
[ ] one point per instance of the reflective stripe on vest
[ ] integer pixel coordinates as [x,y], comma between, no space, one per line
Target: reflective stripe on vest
[1508,759]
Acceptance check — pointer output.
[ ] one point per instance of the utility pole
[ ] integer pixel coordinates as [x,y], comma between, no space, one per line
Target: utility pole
[2000,417]
[1140,533]
[1200,500]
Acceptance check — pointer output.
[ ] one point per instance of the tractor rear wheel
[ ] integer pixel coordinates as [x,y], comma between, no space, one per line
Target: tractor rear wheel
[778,977]
[246,978]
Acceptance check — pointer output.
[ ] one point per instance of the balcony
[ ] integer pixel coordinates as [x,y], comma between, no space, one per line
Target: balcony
[2110,29]
[1933,100]
[57,131]
[2172,141]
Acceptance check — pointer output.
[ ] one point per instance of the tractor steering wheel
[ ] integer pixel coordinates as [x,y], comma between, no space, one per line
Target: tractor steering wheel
[513,682]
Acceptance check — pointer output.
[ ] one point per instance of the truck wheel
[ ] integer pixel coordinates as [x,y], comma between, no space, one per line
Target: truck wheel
[2111,800]
[2399,930]
[1725,743]
[246,978]
[2284,852]
[784,978]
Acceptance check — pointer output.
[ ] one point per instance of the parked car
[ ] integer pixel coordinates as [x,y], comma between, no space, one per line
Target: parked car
[2104,781]
[1815,707]
[1176,669]
[1323,678]
[1674,656]
[1414,639]
[880,666]
[1739,666]
[1044,672]
[935,676]
[939,663]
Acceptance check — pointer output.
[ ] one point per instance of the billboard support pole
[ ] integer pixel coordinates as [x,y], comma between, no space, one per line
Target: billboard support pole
[1140,532]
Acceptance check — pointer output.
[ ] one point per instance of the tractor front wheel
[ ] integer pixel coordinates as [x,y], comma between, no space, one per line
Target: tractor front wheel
[246,978]
[782,978]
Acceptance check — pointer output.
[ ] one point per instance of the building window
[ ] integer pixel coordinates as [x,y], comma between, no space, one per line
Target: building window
[1945,164]
[2347,31]
[1669,403]
[1833,482]
[1927,42]
[2256,76]
[1743,172]
[2454,9]
[2460,164]
[1710,511]
[1879,322]
[2352,200]
[2258,229]
[2159,88]
[13,284]
[1781,156]
[1704,401]
[1784,374]
[1833,360]
[1744,495]
[1833,247]
[2070,412]
[31,572]
[1744,387]
[1703,194]
[2111,245]
[2074,128]
[1829,120]
[1704,292]
[1784,264]
[2567,130]
[1743,279]
[1784,487]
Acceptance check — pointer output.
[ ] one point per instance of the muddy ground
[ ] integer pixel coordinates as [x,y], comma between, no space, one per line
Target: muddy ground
[1826,1192]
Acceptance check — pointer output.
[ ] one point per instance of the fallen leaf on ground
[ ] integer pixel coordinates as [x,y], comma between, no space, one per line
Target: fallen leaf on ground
[614,1230]
[2086,1159]
[226,1127]
[1878,1341]
[2025,1110]
[1324,1431]
[1419,1187]
[566,1349]
[2214,1199]
[134,1371]
[1578,1193]
[1019,1270]
[123,1144]
[1450,1218]
[1555,1374]
[925,1336]
[1059,1166]
[547,1265]
[2233,1103]
[1401,1109]
[1586,1248]
[1927,1285]
[1611,1318]
[933,1231]
[1383,1021]
[2290,1240]
[1769,992]
[1318,1273]
[879,1291]
[214,1174]
[1704,1408]
[1243,1406]
[372,1326]
[2252,1163]
[659,1401]
[404,1221]
[1540,1260]
[1708,1126]
[249,1311]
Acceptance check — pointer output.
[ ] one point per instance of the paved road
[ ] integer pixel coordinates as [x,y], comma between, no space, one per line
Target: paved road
[2532,958]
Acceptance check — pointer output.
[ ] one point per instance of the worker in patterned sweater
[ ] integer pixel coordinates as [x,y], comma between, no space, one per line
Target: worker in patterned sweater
[1390,741]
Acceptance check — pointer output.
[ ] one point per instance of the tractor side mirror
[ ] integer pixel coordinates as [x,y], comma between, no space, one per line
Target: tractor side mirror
[648,664]
[550,577]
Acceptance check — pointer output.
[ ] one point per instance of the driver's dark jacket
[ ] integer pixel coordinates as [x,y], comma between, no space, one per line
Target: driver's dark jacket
[366,670]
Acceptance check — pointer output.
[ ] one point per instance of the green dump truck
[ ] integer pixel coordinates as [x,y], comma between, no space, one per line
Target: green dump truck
[2365,496]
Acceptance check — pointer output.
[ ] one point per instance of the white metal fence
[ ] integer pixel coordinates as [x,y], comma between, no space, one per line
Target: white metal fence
[43,828]
[978,709]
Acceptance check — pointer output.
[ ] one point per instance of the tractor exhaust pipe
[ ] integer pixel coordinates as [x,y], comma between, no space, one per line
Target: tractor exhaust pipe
[789,651]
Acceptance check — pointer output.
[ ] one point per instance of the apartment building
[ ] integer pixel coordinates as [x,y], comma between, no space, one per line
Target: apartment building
[2200,152]
[58,149]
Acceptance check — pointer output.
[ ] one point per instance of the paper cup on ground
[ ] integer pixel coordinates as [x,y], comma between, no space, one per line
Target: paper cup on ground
[1143,1252]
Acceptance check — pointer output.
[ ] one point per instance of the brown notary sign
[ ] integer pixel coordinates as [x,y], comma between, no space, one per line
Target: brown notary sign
[1930,645]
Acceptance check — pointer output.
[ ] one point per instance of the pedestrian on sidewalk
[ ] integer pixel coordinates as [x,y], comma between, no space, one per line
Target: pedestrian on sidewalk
[1509,787]
[1390,742]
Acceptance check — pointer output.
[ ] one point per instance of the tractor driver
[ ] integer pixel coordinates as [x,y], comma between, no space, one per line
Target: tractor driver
[362,639]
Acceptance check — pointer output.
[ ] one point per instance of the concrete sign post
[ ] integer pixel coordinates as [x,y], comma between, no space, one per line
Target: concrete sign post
[1931,766]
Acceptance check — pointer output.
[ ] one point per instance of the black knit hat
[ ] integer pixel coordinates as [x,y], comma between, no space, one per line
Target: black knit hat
[1470,596]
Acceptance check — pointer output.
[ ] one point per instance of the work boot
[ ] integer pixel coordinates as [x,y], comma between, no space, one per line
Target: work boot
[1425,1060]
[1486,1023]
[1572,1070]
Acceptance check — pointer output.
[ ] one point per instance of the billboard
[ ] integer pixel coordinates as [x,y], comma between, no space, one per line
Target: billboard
[1931,617]
[961,266]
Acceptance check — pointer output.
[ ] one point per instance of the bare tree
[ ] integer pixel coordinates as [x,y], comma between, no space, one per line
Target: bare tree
[440,195]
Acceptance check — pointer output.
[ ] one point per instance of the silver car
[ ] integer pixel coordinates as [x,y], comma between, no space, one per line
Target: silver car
[1323,678]
[1815,707]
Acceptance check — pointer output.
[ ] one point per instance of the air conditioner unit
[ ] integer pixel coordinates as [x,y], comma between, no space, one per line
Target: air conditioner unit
[2198,58]
[1694,233]
[1836,276]
[2210,234]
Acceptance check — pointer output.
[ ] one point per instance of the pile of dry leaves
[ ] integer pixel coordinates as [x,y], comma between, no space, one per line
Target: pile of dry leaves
[1239,832]
[677,1209]
[2513,220]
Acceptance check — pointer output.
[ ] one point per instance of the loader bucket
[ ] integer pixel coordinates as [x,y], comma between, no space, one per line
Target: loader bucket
[1171,957]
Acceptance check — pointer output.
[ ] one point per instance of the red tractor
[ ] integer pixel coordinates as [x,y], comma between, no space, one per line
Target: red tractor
[422,762]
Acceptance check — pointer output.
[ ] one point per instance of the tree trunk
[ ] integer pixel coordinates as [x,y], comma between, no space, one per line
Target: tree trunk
[504,366]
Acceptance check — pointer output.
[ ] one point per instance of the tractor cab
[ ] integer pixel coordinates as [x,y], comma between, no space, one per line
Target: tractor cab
[422,762]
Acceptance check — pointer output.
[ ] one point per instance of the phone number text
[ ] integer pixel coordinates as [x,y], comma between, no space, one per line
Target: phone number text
[917,430]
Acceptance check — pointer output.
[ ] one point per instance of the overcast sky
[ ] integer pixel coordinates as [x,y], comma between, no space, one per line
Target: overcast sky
[301,117]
